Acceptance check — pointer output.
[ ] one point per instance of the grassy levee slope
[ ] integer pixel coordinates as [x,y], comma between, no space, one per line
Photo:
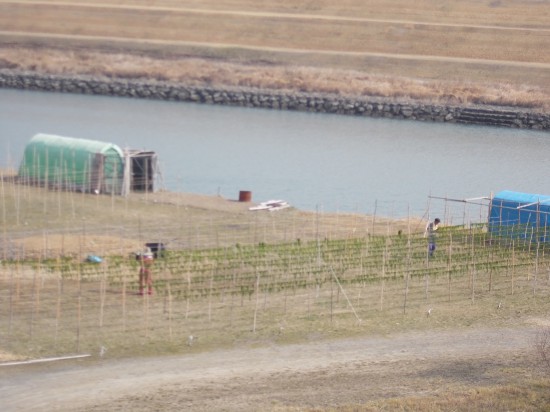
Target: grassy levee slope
[459,52]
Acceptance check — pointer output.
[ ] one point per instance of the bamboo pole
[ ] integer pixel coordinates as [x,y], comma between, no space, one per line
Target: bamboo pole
[232,297]
[427,276]
[408,264]
[16,191]
[46,183]
[27,362]
[187,305]
[285,300]
[58,310]
[374,215]
[146,314]
[169,290]
[79,304]
[102,295]
[513,264]
[257,287]
[18,277]
[427,272]
[535,276]
[331,301]
[449,264]
[4,218]
[71,193]
[3,196]
[473,261]
[210,295]
[10,322]
[267,287]
[123,301]
[489,262]
[383,280]
[345,295]
[34,309]
[59,190]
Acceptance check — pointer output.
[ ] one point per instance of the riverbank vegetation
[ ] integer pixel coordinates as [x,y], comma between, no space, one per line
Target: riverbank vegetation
[231,278]
[467,53]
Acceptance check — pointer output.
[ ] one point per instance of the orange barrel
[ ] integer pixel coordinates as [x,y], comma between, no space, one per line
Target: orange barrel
[245,196]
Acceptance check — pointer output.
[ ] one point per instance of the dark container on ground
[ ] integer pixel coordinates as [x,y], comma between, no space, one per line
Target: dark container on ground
[157,248]
[245,196]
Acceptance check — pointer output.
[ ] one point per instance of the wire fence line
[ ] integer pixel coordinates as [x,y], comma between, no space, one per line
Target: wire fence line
[196,228]
[235,276]
[261,289]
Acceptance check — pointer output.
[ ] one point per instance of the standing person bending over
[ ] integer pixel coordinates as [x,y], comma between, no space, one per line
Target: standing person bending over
[430,234]
[145,277]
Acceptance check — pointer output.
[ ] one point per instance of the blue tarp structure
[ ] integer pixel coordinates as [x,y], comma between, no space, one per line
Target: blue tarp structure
[520,215]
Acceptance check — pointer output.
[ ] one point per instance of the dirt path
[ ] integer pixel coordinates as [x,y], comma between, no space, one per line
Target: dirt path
[320,374]
[400,56]
[300,16]
[147,39]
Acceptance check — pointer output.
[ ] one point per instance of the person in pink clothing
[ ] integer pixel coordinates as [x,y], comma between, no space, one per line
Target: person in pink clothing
[145,276]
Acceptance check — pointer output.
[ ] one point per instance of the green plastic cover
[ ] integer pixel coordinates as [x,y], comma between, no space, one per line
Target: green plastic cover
[79,164]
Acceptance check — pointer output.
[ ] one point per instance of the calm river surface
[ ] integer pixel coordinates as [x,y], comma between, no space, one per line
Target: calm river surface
[314,161]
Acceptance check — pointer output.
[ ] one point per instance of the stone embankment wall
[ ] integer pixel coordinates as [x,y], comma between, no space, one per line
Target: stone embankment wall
[510,117]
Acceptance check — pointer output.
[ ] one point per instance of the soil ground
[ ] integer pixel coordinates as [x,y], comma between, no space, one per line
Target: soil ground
[160,210]
[72,245]
[320,374]
[312,376]
[317,374]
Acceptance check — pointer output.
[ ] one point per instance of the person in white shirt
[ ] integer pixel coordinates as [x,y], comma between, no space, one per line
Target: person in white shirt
[431,227]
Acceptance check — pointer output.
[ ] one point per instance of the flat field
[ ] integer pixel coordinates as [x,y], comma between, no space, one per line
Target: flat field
[289,311]
[261,311]
[490,52]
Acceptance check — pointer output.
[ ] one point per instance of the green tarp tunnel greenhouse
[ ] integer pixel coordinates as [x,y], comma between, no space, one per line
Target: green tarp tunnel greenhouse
[75,164]
[517,215]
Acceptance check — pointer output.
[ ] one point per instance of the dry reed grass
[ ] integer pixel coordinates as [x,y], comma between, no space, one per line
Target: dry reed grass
[467,53]
[207,73]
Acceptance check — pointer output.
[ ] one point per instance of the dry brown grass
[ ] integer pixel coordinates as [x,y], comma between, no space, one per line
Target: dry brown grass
[204,72]
[400,50]
[528,396]
[62,305]
[37,222]
[446,52]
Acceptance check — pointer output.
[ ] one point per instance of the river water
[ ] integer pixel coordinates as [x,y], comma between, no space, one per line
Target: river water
[313,161]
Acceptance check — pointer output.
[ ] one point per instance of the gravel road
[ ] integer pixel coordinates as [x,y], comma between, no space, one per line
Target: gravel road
[300,376]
